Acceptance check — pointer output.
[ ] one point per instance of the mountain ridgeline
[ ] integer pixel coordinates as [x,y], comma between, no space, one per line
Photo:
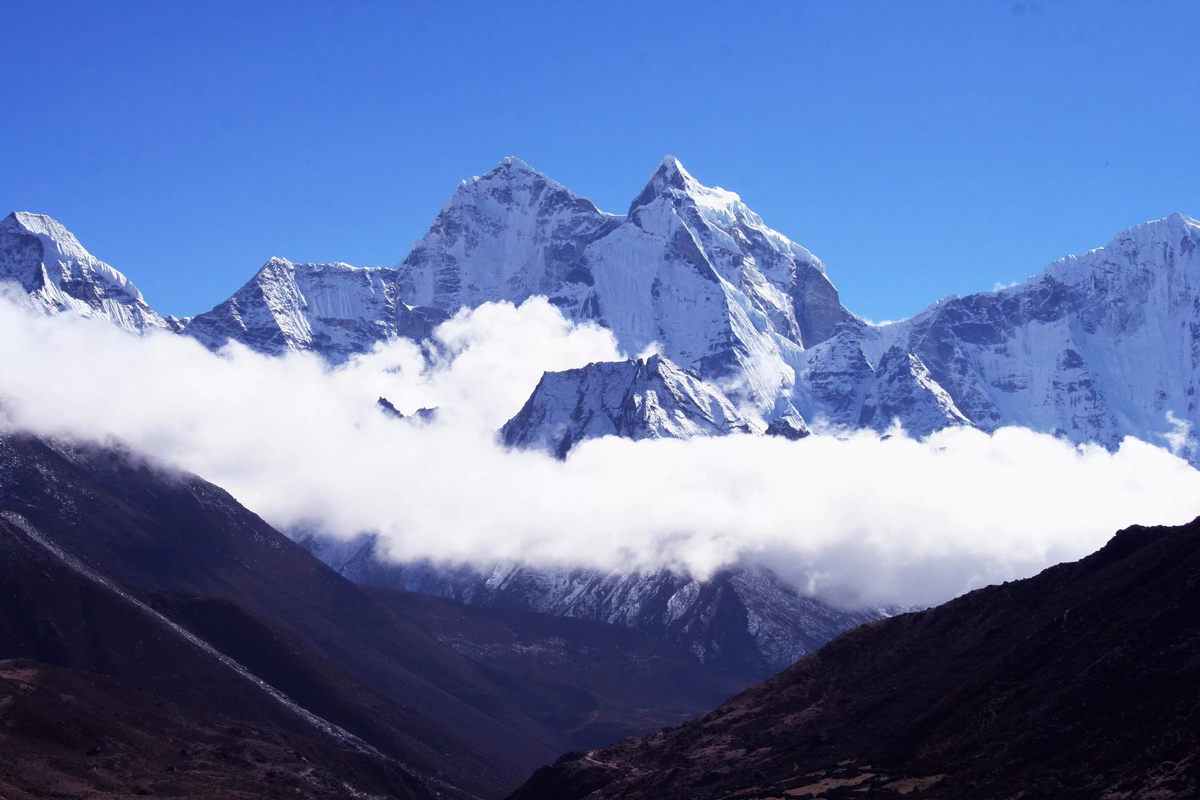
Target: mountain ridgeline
[264,671]
[145,609]
[1077,683]
[751,339]
[1095,348]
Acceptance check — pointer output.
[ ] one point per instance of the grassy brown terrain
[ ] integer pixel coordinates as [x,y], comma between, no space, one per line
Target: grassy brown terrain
[66,733]
[109,564]
[1081,682]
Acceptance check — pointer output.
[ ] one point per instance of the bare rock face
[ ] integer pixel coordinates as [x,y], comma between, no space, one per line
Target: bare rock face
[1077,683]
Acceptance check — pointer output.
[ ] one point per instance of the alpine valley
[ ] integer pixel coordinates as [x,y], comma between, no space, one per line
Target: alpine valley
[157,637]
[748,336]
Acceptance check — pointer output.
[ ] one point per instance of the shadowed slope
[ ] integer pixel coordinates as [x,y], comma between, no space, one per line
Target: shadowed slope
[1079,682]
[110,565]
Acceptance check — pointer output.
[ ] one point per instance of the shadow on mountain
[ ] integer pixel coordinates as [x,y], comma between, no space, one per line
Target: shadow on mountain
[163,582]
[1079,682]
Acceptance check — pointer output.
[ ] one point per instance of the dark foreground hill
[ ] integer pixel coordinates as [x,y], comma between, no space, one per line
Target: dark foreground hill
[163,582]
[1082,682]
[68,733]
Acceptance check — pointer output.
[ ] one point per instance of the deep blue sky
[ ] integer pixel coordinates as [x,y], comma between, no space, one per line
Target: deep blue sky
[919,148]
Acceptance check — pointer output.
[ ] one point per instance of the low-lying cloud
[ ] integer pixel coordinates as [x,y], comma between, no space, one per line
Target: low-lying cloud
[856,519]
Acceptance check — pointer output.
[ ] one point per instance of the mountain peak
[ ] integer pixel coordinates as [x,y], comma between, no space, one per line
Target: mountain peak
[669,175]
[652,398]
[671,179]
[511,181]
[276,262]
[34,223]
[512,163]
[509,169]
[672,169]
[47,228]
[1171,229]
[58,275]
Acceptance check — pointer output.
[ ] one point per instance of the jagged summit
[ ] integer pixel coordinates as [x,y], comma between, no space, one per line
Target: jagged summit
[670,179]
[513,163]
[649,398]
[691,269]
[508,170]
[670,174]
[57,275]
[1173,228]
[512,181]
[43,225]
[1095,348]
[333,309]
[59,244]
[509,234]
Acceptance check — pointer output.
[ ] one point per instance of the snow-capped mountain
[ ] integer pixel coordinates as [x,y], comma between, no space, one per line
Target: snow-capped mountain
[335,310]
[1095,348]
[745,621]
[649,398]
[903,389]
[56,275]
[752,335]
[688,267]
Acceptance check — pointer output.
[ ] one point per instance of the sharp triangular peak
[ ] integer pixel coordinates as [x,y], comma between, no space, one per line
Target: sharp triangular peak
[508,169]
[672,168]
[59,275]
[669,174]
[509,174]
[672,178]
[275,262]
[47,228]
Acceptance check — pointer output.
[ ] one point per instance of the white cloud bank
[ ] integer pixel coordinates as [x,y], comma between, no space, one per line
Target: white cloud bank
[858,519]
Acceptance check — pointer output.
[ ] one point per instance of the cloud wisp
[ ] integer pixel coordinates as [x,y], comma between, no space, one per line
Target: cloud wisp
[856,519]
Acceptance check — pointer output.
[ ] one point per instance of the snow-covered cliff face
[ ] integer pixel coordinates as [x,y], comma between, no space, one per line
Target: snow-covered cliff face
[56,275]
[1095,348]
[689,268]
[508,235]
[335,310]
[744,621]
[642,399]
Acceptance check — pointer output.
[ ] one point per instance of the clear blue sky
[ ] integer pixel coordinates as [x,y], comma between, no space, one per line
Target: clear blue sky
[919,148]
